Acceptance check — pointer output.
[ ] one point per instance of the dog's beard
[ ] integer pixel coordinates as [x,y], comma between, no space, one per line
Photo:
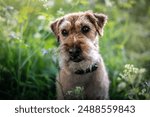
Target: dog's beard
[91,56]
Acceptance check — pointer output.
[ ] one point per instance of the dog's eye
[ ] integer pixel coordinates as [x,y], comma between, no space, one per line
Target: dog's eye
[85,29]
[64,32]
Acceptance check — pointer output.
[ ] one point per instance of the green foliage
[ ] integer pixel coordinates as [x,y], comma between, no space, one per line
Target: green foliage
[28,54]
[26,72]
[77,93]
[132,80]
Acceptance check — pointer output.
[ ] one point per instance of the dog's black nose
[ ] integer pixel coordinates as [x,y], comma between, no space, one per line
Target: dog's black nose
[74,51]
[75,54]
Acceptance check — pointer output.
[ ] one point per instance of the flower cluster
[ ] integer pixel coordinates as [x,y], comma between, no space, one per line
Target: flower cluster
[132,74]
[131,82]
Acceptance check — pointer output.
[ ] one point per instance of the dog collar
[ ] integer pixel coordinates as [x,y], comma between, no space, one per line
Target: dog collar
[88,70]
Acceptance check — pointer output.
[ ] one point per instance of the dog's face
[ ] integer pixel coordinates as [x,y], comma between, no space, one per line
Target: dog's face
[77,34]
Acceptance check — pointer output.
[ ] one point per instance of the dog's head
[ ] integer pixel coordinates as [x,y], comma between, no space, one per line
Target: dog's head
[77,34]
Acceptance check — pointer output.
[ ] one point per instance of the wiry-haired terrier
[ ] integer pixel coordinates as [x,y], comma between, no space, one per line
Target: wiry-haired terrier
[81,65]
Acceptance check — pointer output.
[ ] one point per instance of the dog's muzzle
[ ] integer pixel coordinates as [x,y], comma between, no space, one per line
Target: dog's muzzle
[75,54]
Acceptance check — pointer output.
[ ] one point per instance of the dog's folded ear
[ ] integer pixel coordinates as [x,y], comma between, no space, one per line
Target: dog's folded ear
[55,28]
[99,20]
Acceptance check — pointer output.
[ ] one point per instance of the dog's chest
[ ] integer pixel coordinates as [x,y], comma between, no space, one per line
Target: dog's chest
[81,80]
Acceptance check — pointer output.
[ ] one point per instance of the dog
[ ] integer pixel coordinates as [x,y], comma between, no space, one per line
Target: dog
[80,63]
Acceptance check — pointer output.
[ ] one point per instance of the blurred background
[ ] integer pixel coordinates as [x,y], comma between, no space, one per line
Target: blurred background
[28,49]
